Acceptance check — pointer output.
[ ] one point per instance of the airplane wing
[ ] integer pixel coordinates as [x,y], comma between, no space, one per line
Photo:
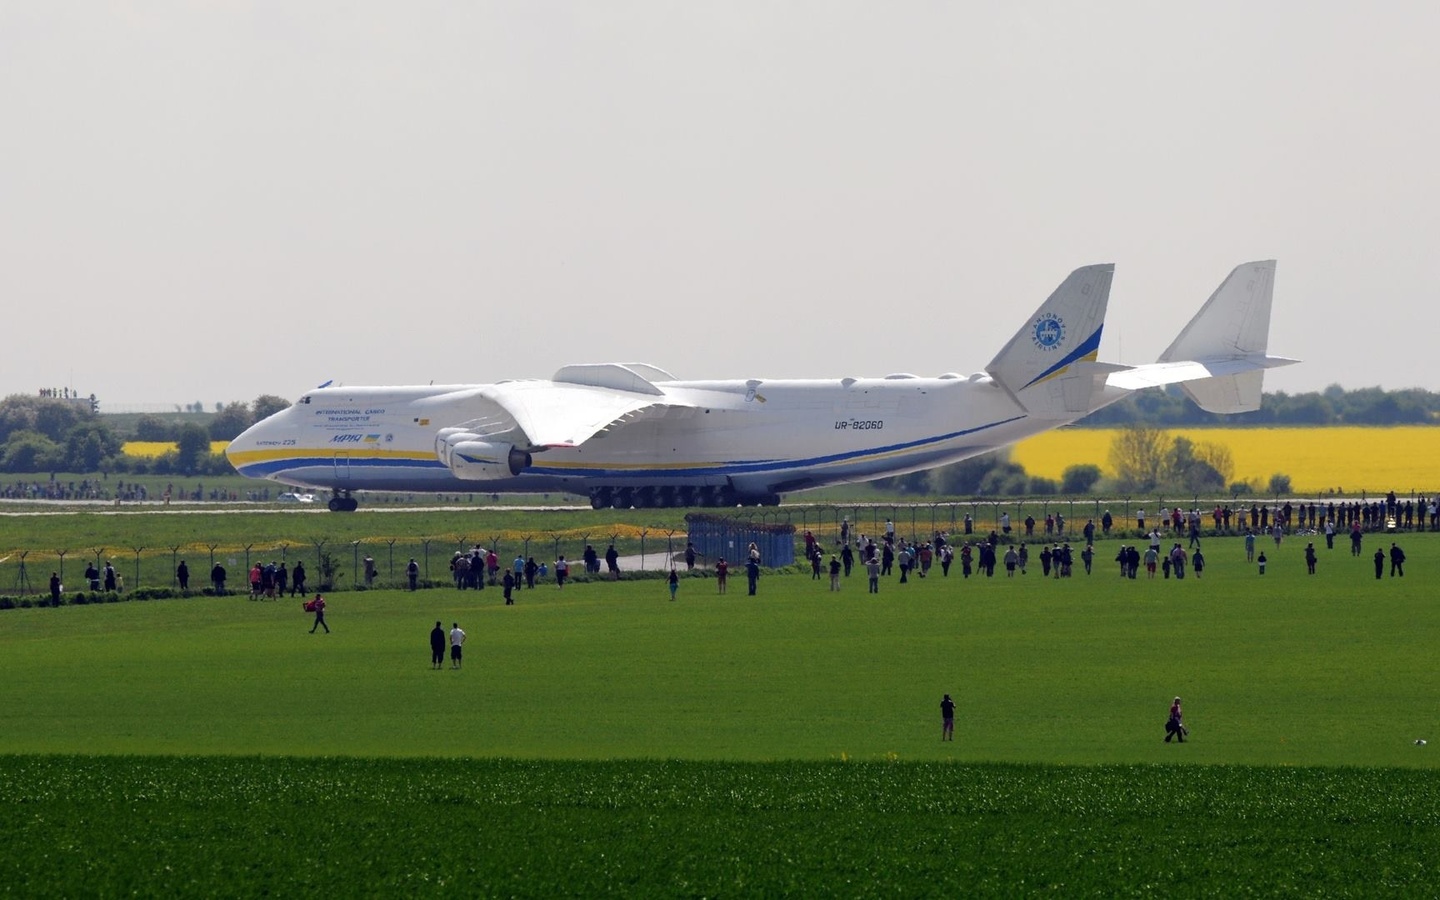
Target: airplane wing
[554,414]
[577,404]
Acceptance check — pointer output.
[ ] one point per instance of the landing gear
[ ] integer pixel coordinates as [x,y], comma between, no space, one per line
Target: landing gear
[668,497]
[341,501]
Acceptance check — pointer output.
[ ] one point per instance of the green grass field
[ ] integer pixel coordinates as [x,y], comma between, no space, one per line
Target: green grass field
[807,721]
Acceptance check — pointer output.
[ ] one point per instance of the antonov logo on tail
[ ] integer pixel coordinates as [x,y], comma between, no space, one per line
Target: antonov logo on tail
[1049,331]
[634,435]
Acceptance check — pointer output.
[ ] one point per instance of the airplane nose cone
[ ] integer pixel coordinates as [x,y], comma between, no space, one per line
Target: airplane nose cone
[235,450]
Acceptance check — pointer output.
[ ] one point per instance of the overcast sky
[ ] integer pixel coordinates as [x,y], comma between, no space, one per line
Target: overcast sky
[212,201]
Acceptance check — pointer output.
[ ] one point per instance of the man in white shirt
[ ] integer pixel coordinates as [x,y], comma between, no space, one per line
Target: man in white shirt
[457,639]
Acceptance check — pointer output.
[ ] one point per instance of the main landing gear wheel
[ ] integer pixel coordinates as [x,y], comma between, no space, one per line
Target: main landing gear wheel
[343,502]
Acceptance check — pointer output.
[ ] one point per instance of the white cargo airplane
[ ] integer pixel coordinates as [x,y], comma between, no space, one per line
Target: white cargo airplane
[633,435]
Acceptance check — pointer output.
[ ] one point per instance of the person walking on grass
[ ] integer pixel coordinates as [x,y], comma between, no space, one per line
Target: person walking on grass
[1175,724]
[507,584]
[673,582]
[437,647]
[722,572]
[947,718]
[1310,559]
[1397,561]
[834,572]
[317,606]
[457,640]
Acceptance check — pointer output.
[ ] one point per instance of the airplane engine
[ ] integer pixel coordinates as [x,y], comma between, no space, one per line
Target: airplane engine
[447,438]
[483,461]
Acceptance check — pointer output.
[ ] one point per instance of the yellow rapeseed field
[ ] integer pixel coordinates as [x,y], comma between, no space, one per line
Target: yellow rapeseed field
[1352,459]
[160,448]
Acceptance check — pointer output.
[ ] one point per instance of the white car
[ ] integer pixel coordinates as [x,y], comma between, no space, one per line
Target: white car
[292,497]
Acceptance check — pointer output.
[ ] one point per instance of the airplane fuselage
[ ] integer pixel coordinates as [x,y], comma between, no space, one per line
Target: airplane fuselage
[740,439]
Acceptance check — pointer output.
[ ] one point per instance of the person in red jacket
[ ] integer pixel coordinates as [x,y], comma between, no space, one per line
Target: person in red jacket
[317,606]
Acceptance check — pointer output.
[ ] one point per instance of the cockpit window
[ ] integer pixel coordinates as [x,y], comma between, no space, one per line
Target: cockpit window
[305,400]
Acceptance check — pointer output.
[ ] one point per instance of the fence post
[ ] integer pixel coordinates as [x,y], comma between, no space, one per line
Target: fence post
[425,546]
[22,577]
[137,566]
[319,562]
[391,542]
[643,532]
[61,554]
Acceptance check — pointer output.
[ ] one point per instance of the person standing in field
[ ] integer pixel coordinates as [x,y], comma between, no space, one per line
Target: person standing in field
[217,578]
[318,607]
[722,571]
[437,647]
[947,718]
[182,575]
[1310,557]
[507,584]
[55,588]
[1249,545]
[752,572]
[1261,561]
[412,572]
[562,568]
[1175,724]
[872,570]
[457,640]
[1397,561]
[297,579]
[1379,563]
[673,582]
[834,572]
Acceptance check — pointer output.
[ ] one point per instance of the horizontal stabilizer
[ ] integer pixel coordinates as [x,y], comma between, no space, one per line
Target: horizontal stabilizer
[1219,359]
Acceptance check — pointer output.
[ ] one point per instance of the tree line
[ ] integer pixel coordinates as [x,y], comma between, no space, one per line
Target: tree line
[1170,408]
[43,434]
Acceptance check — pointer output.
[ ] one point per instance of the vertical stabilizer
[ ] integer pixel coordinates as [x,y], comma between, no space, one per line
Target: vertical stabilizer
[1233,324]
[1048,365]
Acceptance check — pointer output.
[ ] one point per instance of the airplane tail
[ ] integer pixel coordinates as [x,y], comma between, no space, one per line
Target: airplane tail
[1219,359]
[1233,324]
[1049,366]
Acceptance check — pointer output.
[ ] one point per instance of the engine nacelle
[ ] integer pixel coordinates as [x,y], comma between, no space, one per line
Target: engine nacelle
[484,461]
[447,438]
